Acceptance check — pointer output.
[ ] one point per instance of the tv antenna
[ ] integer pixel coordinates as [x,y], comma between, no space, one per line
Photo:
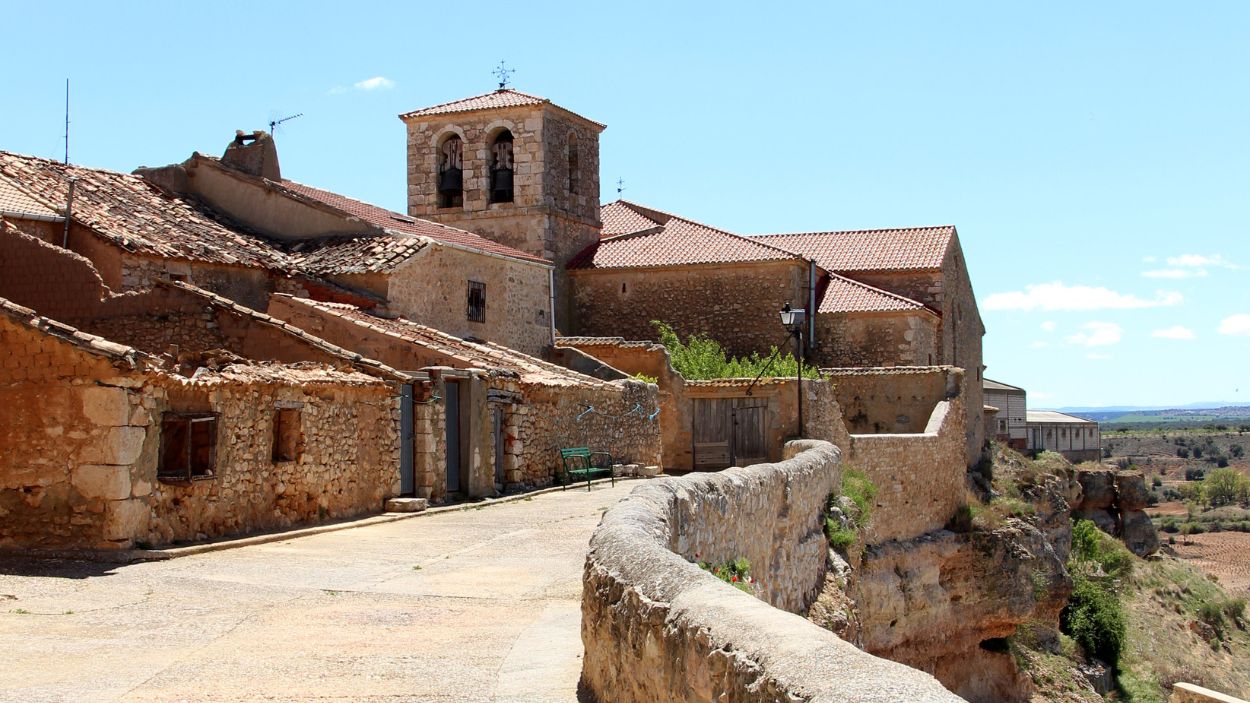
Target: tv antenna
[620,186]
[273,124]
[67,122]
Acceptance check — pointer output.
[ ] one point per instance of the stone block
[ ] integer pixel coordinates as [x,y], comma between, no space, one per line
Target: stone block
[106,406]
[406,505]
[1131,490]
[1139,533]
[126,520]
[119,445]
[102,481]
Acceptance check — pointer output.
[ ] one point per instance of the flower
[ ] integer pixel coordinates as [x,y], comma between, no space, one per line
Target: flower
[735,578]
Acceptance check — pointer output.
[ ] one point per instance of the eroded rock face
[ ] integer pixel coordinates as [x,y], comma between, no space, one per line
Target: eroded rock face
[1114,501]
[932,601]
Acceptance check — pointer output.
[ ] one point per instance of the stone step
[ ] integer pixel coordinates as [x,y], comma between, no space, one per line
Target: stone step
[406,505]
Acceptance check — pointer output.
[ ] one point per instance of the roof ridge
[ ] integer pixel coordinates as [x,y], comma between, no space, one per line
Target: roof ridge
[672,216]
[475,97]
[850,231]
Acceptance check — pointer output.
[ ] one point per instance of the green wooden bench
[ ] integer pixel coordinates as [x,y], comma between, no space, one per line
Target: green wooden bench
[580,461]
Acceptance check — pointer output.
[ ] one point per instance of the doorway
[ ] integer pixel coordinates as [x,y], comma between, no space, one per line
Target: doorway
[455,435]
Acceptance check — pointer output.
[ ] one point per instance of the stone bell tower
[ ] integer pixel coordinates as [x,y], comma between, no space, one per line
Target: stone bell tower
[512,167]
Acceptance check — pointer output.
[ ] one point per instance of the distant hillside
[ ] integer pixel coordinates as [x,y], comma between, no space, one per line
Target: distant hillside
[1206,405]
[1229,414]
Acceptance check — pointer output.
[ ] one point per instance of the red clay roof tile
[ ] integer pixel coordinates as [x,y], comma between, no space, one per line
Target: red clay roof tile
[843,295]
[905,249]
[675,241]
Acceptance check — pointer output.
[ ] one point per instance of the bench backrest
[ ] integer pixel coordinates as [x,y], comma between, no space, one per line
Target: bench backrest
[571,452]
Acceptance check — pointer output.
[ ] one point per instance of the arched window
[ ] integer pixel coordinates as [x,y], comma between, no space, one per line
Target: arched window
[574,164]
[450,175]
[501,168]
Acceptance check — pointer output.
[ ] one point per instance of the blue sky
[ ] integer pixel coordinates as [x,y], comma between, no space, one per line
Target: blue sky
[1094,156]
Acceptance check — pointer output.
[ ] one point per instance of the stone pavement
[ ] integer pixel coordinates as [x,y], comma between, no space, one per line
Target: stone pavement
[474,605]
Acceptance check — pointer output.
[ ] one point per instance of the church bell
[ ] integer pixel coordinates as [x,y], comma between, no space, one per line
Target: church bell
[451,181]
[501,185]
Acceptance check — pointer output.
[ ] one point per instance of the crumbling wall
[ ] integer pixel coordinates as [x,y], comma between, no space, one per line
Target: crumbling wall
[657,627]
[52,281]
[71,437]
[348,463]
[894,400]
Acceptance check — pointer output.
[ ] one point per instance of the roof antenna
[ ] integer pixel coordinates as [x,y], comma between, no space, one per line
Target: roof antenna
[620,186]
[273,124]
[504,74]
[67,122]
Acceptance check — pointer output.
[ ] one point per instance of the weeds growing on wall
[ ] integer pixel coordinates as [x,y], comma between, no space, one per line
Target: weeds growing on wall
[700,358]
[860,490]
[736,573]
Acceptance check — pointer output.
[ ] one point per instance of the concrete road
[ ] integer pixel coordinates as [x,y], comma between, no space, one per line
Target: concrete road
[477,605]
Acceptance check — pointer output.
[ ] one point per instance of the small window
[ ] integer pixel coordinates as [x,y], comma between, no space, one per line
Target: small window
[450,173]
[287,438]
[188,446]
[501,168]
[477,301]
[574,164]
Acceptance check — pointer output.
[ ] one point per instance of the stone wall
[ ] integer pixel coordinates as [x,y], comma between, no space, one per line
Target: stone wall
[895,400]
[348,463]
[657,627]
[1191,693]
[432,288]
[737,305]
[920,476]
[876,339]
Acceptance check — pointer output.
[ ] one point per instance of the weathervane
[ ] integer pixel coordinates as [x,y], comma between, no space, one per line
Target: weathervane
[503,74]
[620,185]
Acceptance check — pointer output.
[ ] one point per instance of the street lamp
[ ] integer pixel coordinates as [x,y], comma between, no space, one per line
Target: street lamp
[793,321]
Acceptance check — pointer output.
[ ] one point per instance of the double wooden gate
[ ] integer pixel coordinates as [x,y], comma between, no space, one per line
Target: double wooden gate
[729,432]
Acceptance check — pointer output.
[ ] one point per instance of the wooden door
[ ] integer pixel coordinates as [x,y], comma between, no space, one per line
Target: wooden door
[750,443]
[729,432]
[451,419]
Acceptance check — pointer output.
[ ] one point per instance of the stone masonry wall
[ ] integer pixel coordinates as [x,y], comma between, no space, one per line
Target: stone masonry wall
[919,477]
[875,339]
[348,463]
[895,400]
[70,437]
[432,288]
[657,627]
[736,305]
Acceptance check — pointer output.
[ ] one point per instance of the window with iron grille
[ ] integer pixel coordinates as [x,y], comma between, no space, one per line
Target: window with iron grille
[188,446]
[477,301]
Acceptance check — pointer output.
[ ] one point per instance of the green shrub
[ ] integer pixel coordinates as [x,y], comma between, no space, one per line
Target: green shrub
[1091,547]
[860,489]
[736,573]
[841,540]
[645,378]
[701,358]
[1095,619]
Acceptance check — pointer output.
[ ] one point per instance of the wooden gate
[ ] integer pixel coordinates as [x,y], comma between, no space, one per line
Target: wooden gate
[729,432]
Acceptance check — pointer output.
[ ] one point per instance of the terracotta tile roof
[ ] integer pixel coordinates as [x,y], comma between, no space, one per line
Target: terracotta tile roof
[345,255]
[494,100]
[397,222]
[907,249]
[844,295]
[674,242]
[15,203]
[139,217]
[120,354]
[466,354]
[620,218]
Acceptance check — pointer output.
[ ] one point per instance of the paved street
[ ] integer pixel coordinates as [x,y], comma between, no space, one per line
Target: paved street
[476,605]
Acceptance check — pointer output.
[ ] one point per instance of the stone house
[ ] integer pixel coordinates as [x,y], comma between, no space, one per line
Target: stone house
[109,447]
[1077,439]
[1010,422]
[512,412]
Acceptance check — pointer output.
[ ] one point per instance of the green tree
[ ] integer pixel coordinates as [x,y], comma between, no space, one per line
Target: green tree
[700,358]
[1223,487]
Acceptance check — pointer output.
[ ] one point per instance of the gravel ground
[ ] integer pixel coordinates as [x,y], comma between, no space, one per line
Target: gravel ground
[476,605]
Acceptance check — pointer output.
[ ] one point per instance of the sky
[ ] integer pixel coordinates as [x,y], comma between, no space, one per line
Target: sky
[1095,157]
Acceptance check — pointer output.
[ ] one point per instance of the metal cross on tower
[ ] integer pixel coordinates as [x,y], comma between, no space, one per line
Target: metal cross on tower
[620,185]
[503,74]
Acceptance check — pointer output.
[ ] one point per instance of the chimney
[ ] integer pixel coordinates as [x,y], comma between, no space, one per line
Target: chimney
[254,153]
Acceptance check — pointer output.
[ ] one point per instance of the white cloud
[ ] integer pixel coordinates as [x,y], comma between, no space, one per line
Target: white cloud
[1048,326]
[1095,356]
[1097,334]
[1236,325]
[1174,332]
[1175,273]
[375,83]
[1200,261]
[1058,296]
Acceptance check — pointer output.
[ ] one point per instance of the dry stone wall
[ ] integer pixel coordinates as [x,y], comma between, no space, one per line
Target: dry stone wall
[876,339]
[657,627]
